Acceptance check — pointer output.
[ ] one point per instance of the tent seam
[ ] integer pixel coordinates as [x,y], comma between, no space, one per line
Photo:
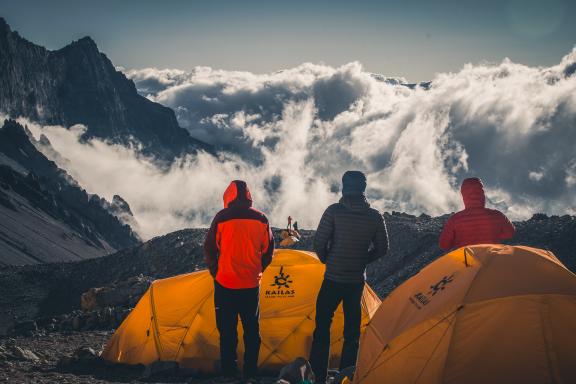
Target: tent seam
[180,343]
[452,323]
[157,341]
[550,355]
[463,303]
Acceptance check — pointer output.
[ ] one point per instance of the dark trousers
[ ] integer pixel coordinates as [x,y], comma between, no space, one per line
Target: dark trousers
[229,304]
[330,295]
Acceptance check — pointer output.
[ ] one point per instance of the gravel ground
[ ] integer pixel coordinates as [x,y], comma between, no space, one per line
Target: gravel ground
[50,348]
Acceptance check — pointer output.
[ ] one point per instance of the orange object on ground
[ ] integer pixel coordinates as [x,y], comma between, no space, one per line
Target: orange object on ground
[174,320]
[480,314]
[289,241]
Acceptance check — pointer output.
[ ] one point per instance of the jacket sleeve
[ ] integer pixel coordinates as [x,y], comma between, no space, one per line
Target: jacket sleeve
[379,242]
[268,248]
[507,230]
[211,248]
[324,235]
[447,236]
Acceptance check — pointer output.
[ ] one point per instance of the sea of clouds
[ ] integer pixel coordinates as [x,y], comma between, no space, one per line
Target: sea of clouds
[291,134]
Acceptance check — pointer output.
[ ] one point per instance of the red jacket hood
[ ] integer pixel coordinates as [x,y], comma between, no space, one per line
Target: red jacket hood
[237,194]
[473,193]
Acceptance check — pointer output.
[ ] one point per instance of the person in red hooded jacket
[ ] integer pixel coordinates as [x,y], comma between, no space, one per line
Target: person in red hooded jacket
[476,224]
[238,247]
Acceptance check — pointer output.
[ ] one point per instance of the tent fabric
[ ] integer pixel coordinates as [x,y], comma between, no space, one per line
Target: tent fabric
[479,314]
[174,320]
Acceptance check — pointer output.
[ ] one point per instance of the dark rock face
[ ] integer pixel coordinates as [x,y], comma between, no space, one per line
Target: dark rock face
[556,234]
[79,85]
[44,215]
[120,206]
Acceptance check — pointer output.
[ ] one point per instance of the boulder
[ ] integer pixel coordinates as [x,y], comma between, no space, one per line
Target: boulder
[124,293]
[24,354]
[82,357]
[86,354]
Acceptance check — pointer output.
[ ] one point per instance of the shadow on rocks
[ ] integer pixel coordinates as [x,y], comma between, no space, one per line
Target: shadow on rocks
[86,361]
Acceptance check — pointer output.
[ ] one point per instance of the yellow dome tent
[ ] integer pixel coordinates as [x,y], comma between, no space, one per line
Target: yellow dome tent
[480,314]
[174,320]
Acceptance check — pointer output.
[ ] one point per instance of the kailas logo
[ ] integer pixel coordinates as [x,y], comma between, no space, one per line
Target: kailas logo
[282,280]
[420,299]
[281,286]
[439,286]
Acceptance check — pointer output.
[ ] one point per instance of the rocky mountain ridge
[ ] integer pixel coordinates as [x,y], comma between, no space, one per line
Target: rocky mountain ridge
[78,84]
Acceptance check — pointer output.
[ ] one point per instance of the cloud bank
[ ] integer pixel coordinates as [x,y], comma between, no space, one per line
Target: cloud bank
[291,134]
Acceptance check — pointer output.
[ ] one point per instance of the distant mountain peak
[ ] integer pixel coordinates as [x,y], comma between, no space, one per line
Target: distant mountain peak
[86,47]
[78,84]
[85,41]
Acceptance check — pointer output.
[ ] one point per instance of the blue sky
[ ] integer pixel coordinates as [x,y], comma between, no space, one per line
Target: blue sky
[410,38]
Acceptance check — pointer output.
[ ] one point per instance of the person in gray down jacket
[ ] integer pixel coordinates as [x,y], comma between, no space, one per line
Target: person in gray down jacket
[350,236]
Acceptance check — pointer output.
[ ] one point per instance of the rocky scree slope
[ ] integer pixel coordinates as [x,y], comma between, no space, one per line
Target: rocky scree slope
[44,215]
[38,291]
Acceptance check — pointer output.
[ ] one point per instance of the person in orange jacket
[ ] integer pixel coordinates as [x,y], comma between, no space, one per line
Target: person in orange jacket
[238,247]
[476,224]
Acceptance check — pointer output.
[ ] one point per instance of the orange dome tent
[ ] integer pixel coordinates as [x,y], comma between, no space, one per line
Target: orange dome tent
[480,314]
[174,320]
